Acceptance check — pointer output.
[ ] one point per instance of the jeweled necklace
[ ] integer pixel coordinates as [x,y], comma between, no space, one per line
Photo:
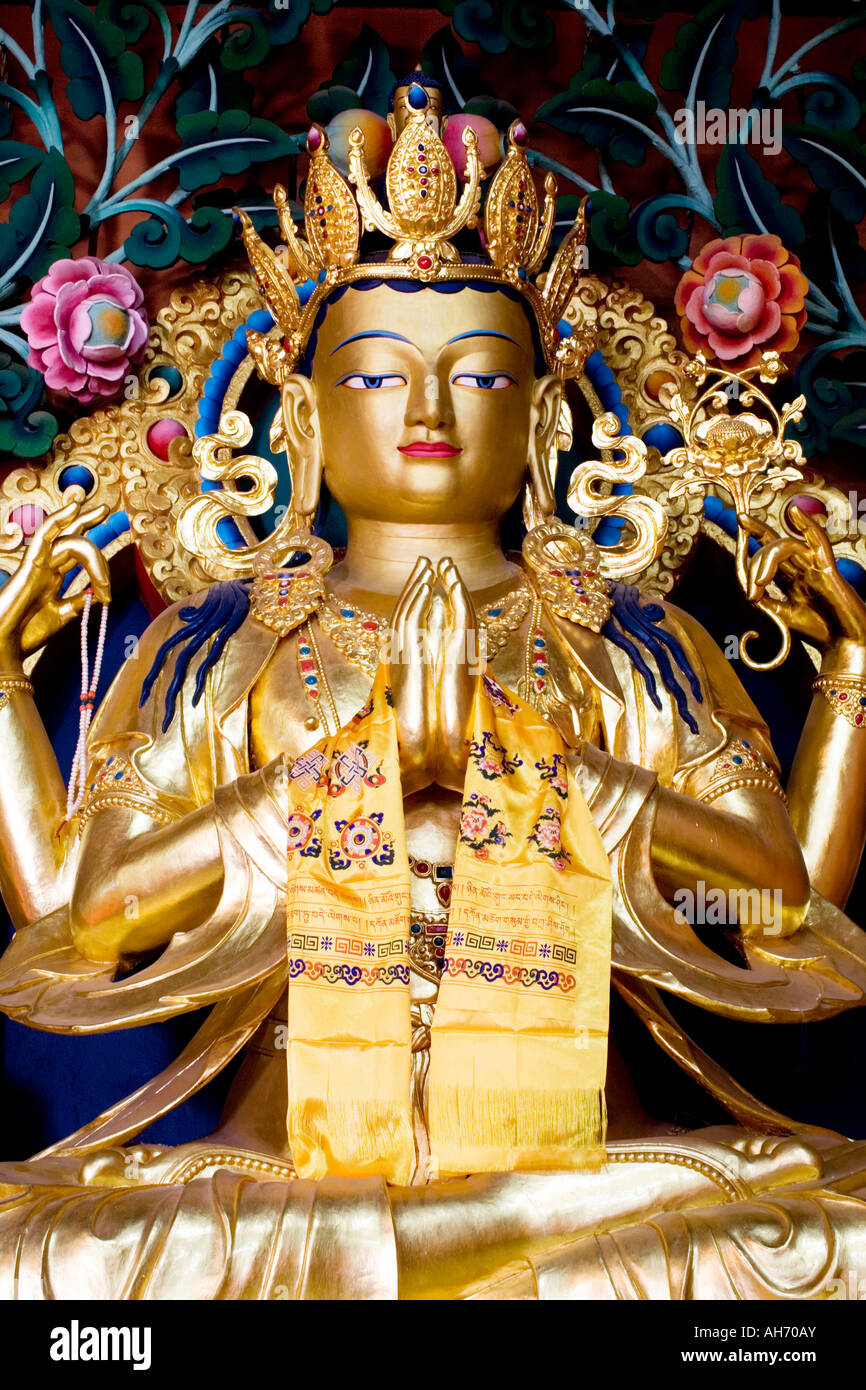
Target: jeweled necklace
[360,635]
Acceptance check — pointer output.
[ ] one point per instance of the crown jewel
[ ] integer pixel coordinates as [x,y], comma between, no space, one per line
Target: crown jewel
[422,216]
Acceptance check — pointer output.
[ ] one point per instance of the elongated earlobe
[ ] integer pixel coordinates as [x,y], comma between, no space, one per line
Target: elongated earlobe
[302,442]
[543,420]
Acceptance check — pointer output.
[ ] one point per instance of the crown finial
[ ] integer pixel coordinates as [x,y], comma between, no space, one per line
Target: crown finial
[421,215]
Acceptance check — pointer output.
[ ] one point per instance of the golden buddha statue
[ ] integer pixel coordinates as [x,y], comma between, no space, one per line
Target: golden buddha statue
[403,818]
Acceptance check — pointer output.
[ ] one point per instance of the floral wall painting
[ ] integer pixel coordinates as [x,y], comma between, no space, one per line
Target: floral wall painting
[732,132]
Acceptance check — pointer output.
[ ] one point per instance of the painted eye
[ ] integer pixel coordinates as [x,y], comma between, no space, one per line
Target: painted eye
[359,381]
[484,381]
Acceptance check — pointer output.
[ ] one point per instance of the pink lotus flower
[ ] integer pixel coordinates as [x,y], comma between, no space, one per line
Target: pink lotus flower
[548,834]
[85,324]
[744,295]
[474,822]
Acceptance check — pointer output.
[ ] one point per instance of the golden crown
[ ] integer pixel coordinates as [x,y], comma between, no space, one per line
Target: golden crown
[422,217]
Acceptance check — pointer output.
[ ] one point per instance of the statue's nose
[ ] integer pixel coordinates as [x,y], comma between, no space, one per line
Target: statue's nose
[429,404]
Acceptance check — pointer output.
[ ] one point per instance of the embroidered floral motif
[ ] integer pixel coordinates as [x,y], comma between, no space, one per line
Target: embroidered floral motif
[301,835]
[492,759]
[362,840]
[546,835]
[555,773]
[497,696]
[479,828]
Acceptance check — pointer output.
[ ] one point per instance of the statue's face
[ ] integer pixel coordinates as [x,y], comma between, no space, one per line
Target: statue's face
[425,403]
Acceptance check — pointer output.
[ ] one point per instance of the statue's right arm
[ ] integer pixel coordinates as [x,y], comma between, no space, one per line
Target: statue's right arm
[32,792]
[132,881]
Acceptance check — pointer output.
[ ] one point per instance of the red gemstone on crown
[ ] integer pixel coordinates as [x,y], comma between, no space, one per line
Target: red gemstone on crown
[314,140]
[424,262]
[520,134]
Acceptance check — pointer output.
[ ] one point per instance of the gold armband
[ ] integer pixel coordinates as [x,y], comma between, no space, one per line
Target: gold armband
[846,695]
[118,784]
[740,766]
[8,686]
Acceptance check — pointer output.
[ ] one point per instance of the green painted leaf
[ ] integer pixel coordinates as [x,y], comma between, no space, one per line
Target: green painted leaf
[715,25]
[325,104]
[204,81]
[610,230]
[602,112]
[501,113]
[16,162]
[248,43]
[832,104]
[444,58]
[25,430]
[836,160]
[496,24]
[747,201]
[160,241]
[284,25]
[43,222]
[228,142]
[92,47]
[367,71]
[132,17]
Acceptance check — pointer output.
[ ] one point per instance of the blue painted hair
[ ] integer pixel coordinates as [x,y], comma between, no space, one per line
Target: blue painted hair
[630,623]
[225,607]
[219,615]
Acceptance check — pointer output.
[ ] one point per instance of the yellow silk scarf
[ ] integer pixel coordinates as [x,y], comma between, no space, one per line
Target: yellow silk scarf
[519,1039]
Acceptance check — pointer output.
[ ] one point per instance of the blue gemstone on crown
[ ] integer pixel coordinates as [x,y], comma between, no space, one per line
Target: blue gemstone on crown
[417,97]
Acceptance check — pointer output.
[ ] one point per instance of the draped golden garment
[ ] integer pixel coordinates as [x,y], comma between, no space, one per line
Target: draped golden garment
[519,1042]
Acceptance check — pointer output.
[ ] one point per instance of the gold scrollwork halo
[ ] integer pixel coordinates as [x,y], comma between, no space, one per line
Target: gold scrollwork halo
[200,516]
[640,350]
[644,516]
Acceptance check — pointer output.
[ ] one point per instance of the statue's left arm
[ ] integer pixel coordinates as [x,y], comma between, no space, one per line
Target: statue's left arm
[827,785]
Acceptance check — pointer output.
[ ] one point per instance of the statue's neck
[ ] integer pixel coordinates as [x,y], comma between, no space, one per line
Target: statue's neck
[381,555]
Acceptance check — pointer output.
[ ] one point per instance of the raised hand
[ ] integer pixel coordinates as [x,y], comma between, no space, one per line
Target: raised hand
[457,671]
[412,678]
[819,603]
[31,608]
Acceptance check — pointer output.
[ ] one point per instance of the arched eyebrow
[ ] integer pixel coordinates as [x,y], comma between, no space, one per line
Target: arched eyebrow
[371,333]
[482,333]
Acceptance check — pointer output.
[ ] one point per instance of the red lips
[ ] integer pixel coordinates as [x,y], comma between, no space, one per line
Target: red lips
[429,448]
